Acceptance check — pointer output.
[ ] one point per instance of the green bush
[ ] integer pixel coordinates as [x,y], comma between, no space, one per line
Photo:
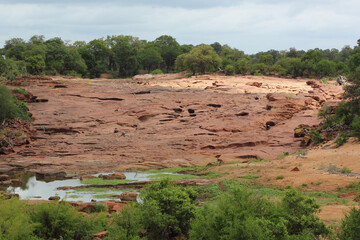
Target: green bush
[242,215]
[350,226]
[167,210]
[299,212]
[157,71]
[15,223]
[10,107]
[61,221]
[164,213]
[341,139]
[355,126]
[230,70]
[127,225]
[316,137]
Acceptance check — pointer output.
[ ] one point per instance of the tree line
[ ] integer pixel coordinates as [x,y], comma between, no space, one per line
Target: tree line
[125,56]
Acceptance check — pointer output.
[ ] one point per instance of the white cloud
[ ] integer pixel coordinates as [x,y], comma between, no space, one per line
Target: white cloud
[248,25]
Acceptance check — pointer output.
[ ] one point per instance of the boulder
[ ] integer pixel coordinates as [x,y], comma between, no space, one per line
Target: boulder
[255,84]
[301,130]
[17,182]
[128,196]
[305,141]
[114,176]
[86,177]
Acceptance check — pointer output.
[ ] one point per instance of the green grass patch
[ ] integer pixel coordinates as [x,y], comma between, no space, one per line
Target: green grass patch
[250,176]
[100,181]
[177,169]
[108,195]
[92,189]
[174,177]
[211,191]
[321,195]
[280,177]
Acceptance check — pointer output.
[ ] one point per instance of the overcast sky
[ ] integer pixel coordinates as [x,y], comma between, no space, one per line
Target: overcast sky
[249,25]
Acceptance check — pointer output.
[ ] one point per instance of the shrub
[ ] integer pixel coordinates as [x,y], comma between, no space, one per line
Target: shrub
[350,226]
[345,170]
[316,136]
[280,177]
[230,70]
[61,221]
[20,91]
[300,214]
[167,210]
[127,225]
[15,223]
[341,139]
[242,215]
[157,71]
[10,107]
[355,126]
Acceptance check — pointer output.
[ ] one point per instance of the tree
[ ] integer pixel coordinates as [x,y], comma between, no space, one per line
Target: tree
[217,47]
[350,226]
[169,50]
[150,58]
[202,59]
[125,55]
[266,59]
[242,66]
[35,64]
[55,52]
[243,215]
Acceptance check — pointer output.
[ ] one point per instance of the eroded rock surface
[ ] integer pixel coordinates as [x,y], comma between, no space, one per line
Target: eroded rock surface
[102,125]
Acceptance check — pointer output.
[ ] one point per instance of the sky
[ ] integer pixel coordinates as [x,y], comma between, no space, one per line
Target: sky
[248,25]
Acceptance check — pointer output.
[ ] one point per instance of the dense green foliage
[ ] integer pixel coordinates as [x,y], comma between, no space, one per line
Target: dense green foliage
[18,221]
[350,226]
[125,56]
[167,211]
[346,117]
[10,107]
[242,215]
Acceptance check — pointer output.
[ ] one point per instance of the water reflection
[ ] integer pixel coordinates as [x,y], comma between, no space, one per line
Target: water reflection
[36,189]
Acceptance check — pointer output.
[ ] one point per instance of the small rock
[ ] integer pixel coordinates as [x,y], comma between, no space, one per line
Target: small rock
[54,198]
[128,196]
[114,176]
[116,130]
[295,169]
[86,177]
